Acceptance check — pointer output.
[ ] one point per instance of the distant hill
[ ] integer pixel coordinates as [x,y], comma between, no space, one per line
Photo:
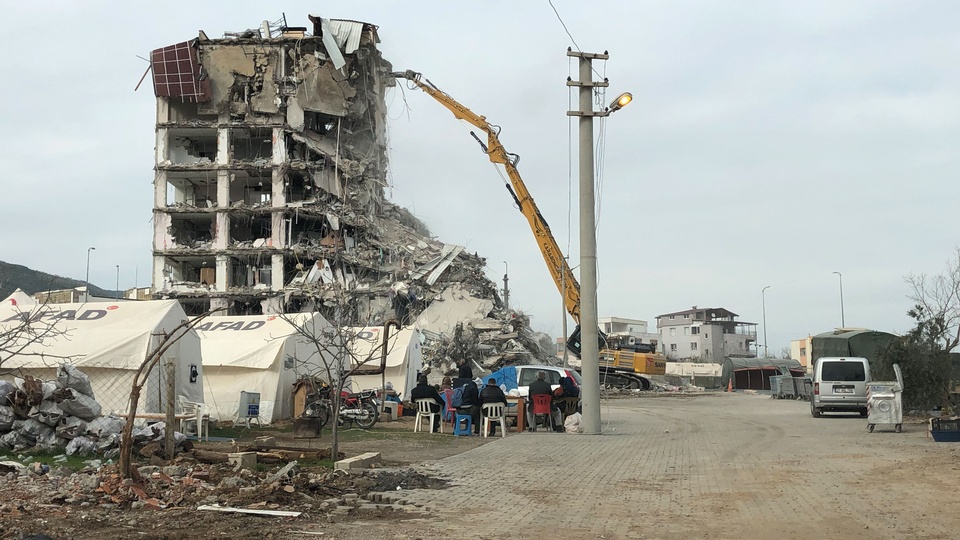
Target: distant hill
[13,276]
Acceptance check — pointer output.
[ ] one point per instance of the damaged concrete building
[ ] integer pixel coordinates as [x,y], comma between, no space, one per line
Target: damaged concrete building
[271,167]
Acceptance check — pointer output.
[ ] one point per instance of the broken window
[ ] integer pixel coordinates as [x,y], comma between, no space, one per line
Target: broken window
[184,273]
[251,187]
[192,188]
[250,231]
[194,306]
[255,144]
[309,231]
[192,146]
[254,272]
[194,231]
[246,307]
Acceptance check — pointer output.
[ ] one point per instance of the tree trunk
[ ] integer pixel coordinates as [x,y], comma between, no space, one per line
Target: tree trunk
[126,436]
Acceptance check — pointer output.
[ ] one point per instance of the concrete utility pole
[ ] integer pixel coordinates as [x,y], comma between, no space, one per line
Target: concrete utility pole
[763,294]
[86,280]
[843,323]
[589,356]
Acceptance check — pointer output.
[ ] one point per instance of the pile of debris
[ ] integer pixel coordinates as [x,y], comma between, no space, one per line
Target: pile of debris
[30,485]
[63,414]
[55,414]
[489,342]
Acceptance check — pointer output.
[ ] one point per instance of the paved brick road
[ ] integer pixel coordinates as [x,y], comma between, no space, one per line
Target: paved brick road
[713,466]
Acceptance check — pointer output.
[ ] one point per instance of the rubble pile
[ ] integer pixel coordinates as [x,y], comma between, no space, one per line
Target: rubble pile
[55,414]
[488,343]
[31,486]
[64,415]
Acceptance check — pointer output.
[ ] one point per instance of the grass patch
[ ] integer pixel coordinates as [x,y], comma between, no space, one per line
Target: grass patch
[241,432]
[73,462]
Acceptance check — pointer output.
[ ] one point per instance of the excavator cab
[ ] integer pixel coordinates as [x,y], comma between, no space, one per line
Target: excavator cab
[573,342]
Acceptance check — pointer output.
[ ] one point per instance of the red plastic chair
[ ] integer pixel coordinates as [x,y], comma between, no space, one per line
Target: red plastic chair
[541,405]
[449,412]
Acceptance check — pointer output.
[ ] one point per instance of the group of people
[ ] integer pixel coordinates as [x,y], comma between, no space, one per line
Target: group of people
[472,399]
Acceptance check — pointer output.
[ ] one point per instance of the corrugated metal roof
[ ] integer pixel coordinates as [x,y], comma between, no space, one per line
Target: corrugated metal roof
[347,34]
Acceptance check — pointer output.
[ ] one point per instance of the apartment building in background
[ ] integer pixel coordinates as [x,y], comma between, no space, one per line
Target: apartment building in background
[705,335]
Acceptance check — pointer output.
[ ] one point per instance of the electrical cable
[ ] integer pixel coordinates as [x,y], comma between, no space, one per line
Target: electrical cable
[575,45]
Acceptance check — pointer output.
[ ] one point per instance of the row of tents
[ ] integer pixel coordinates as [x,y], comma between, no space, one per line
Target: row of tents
[216,361]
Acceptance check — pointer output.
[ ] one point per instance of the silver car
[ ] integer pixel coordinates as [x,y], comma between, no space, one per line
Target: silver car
[840,384]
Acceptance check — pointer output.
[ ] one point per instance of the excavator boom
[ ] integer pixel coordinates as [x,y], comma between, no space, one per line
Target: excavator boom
[559,269]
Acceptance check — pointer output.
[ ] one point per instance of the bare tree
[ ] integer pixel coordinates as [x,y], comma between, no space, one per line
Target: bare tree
[28,332]
[937,299]
[338,352]
[167,340]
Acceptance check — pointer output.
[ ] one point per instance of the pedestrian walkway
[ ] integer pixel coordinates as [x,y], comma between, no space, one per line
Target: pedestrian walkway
[715,466]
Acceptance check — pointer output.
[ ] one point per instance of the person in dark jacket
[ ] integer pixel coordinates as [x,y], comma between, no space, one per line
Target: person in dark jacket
[423,390]
[470,404]
[492,393]
[466,372]
[541,386]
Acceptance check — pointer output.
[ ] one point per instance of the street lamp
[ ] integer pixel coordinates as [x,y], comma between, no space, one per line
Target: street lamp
[506,286]
[763,295]
[118,282]
[589,325]
[86,296]
[843,323]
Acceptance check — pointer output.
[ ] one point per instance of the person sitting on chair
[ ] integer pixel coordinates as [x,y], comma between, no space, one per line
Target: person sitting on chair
[470,405]
[540,387]
[423,390]
[492,393]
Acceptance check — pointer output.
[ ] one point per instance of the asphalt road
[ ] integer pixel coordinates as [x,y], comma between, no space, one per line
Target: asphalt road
[710,466]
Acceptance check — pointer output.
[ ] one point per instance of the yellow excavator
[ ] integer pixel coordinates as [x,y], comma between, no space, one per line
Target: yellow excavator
[621,365]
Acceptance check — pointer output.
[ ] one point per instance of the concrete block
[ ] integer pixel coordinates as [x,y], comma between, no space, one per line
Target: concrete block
[244,459]
[363,461]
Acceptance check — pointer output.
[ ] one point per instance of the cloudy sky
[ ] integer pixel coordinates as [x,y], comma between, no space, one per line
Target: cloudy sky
[769,143]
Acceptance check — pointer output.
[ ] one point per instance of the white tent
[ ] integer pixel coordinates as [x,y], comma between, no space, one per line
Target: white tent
[257,353]
[108,342]
[19,299]
[404,358]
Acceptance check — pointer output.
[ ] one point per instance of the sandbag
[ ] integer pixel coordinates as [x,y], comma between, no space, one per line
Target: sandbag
[79,405]
[6,418]
[48,440]
[17,441]
[48,388]
[71,427]
[70,377]
[105,425]
[49,413]
[6,387]
[80,446]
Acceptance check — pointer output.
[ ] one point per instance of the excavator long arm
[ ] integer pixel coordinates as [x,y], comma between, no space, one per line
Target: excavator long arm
[563,276]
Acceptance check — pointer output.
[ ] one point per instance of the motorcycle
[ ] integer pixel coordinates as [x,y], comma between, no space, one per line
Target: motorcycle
[360,408]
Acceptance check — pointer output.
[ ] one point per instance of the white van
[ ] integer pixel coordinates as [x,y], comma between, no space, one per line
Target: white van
[840,384]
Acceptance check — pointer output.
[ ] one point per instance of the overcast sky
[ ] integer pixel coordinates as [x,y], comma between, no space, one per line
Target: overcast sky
[769,143]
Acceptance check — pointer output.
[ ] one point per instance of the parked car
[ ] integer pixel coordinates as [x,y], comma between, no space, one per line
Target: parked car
[840,384]
[527,374]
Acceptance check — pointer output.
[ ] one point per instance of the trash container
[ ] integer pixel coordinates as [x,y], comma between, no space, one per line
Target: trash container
[884,405]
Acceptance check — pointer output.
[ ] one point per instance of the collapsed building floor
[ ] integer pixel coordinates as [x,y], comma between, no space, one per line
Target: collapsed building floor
[271,164]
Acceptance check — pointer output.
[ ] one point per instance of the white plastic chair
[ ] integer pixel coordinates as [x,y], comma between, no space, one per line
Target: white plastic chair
[197,416]
[491,413]
[424,410]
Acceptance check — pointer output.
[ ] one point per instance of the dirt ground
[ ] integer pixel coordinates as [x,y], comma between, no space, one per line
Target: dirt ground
[683,433]
[41,510]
